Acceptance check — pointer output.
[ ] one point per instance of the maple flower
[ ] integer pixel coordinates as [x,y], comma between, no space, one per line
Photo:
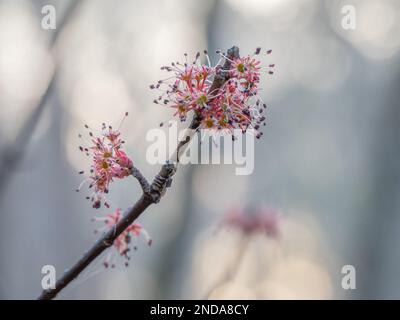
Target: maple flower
[235,105]
[260,220]
[109,162]
[123,242]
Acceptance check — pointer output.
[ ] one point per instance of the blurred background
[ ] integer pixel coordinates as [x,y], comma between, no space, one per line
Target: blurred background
[328,160]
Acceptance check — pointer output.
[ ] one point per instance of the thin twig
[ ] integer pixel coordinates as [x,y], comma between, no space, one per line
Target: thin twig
[151,194]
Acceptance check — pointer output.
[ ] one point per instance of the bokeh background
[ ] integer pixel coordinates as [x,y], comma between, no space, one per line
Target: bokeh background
[328,160]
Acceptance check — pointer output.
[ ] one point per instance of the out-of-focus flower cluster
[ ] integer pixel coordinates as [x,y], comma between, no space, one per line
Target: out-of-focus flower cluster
[109,162]
[261,220]
[123,242]
[262,253]
[234,105]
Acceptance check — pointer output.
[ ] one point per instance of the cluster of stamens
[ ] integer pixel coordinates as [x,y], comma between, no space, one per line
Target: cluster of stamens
[109,162]
[234,105]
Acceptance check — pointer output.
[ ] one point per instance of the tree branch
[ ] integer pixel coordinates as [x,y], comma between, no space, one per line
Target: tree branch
[151,193]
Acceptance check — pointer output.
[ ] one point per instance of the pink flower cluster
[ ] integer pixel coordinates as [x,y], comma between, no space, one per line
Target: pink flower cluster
[235,105]
[123,241]
[261,220]
[109,162]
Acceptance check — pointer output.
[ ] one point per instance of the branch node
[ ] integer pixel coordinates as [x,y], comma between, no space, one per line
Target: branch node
[108,242]
[162,181]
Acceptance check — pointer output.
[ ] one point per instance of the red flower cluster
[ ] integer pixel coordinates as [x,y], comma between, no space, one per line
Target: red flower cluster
[123,241]
[235,105]
[109,162]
